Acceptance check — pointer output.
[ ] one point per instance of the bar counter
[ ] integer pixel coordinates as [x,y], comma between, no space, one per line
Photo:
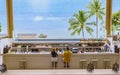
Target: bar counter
[43,61]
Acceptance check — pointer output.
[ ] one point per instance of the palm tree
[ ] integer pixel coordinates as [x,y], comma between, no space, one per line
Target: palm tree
[96,9]
[78,24]
[116,21]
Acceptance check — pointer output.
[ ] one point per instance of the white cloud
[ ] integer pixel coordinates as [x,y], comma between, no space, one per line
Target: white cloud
[38,18]
[53,18]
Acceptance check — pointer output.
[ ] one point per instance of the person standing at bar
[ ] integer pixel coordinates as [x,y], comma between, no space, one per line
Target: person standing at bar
[118,37]
[66,57]
[106,46]
[54,56]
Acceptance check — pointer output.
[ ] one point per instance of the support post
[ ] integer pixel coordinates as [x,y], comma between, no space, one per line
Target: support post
[10,25]
[109,17]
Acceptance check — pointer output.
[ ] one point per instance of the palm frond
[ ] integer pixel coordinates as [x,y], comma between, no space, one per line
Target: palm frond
[73,33]
[96,3]
[78,31]
[76,16]
[99,16]
[91,13]
[91,7]
[73,21]
[102,12]
[75,26]
[89,30]
[82,16]
[103,9]
[91,23]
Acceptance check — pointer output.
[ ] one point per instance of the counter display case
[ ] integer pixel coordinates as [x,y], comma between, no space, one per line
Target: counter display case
[39,45]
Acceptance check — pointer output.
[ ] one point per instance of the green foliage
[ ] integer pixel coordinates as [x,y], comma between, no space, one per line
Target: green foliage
[42,36]
[89,30]
[79,23]
[95,8]
[115,28]
[116,21]
[116,18]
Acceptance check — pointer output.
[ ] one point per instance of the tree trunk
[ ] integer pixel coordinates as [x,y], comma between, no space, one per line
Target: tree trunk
[96,27]
[83,33]
[83,38]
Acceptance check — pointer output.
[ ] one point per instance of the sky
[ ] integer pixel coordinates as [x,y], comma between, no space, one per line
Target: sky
[49,17]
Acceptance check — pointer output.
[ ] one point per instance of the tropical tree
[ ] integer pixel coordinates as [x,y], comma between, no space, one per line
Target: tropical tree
[79,24]
[42,36]
[116,21]
[95,8]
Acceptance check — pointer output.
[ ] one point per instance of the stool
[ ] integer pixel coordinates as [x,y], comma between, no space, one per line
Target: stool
[23,64]
[106,63]
[95,63]
[83,63]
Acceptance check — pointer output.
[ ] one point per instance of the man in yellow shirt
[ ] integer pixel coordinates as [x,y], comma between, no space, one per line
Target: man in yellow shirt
[66,57]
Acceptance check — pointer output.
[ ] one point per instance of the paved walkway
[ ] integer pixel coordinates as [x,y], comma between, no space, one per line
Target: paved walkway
[61,72]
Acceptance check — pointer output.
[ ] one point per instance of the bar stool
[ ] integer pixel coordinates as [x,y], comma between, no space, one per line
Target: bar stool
[106,63]
[23,64]
[95,63]
[83,63]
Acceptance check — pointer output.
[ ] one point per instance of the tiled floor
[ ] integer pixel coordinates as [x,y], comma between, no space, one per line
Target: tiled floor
[61,72]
